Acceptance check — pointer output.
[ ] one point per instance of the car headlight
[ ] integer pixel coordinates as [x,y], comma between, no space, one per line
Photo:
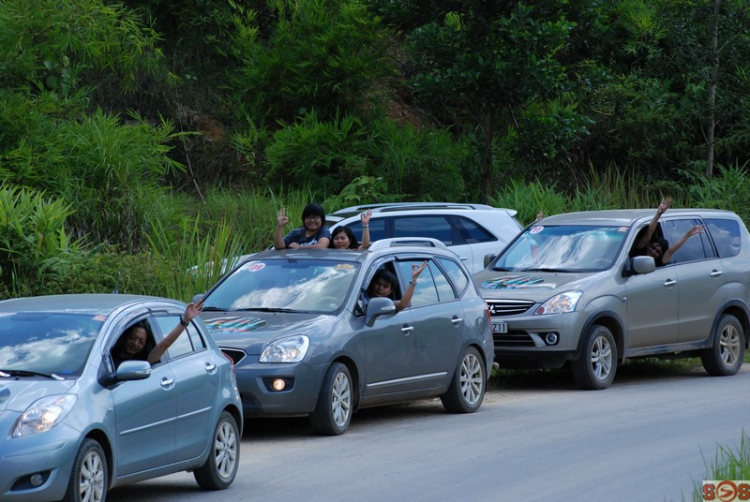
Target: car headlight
[44,414]
[286,350]
[560,304]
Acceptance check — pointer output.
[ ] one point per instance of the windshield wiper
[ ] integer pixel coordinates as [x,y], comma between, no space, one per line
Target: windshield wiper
[264,309]
[213,309]
[10,373]
[545,269]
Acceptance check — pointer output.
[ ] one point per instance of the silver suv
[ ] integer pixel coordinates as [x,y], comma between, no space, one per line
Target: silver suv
[475,232]
[569,289]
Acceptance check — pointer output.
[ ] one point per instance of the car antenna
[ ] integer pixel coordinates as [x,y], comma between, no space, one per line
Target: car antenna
[116,291]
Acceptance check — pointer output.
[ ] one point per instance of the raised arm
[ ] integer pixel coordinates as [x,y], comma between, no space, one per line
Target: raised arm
[677,245]
[654,222]
[281,221]
[404,301]
[191,311]
[365,218]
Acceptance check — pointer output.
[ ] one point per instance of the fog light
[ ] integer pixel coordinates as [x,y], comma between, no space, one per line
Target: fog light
[36,480]
[551,338]
[278,384]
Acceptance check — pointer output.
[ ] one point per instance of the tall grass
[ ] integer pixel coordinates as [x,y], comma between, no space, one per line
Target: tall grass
[727,464]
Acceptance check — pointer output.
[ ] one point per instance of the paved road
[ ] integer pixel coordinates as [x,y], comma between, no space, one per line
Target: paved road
[536,438]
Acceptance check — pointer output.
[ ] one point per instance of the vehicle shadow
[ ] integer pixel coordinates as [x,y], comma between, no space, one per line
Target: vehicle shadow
[631,372]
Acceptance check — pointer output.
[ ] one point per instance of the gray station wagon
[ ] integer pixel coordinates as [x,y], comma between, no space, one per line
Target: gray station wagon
[303,343]
[568,289]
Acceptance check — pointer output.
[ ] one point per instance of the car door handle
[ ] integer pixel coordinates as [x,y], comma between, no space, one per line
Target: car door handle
[167,383]
[210,368]
[716,273]
[669,282]
[406,329]
[457,320]
[464,258]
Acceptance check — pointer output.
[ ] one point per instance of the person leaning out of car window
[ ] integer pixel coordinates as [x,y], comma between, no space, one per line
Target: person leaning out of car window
[312,233]
[657,247]
[343,237]
[384,282]
[132,344]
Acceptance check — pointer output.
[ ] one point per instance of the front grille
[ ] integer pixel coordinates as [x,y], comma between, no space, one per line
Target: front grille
[235,354]
[517,338]
[500,308]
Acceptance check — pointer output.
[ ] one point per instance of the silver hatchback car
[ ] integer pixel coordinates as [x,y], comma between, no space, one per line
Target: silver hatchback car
[72,426]
[569,289]
[304,344]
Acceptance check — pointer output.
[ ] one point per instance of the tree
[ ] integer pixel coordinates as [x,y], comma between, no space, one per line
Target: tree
[480,63]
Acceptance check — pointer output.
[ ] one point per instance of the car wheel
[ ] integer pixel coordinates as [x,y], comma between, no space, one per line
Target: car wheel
[333,413]
[725,357]
[224,458]
[89,480]
[466,391]
[596,367]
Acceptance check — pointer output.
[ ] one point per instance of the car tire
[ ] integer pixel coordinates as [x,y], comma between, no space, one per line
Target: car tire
[333,412]
[89,480]
[466,391]
[595,368]
[725,357]
[223,459]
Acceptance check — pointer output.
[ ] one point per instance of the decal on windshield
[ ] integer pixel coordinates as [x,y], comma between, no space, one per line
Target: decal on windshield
[536,229]
[256,267]
[237,324]
[512,282]
[344,266]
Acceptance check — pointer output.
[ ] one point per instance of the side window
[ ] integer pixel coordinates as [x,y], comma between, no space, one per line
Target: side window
[435,227]
[695,248]
[726,236]
[454,272]
[183,344]
[471,231]
[426,290]
[377,229]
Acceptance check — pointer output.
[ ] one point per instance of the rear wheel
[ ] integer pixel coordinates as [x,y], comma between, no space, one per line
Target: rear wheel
[725,357]
[333,413]
[466,391]
[221,465]
[596,367]
[88,481]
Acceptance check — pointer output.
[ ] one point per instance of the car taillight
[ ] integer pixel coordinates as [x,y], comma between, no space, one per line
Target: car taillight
[231,361]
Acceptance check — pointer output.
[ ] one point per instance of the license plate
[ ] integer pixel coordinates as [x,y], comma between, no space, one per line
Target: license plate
[499,327]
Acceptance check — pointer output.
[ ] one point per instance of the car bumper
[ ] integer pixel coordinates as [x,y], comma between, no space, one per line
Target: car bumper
[300,395]
[50,454]
[528,340]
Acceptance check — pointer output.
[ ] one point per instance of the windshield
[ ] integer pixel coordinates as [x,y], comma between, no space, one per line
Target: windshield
[47,343]
[563,248]
[297,285]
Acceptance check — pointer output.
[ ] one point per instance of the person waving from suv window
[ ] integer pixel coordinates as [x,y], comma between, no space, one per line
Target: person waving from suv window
[657,247]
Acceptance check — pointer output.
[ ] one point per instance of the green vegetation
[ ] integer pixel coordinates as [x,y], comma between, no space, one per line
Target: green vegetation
[728,463]
[144,138]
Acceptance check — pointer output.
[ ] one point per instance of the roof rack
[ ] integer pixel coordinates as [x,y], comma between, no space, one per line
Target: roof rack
[407,241]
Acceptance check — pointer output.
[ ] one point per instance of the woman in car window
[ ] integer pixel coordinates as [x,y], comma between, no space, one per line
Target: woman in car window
[384,282]
[657,247]
[343,237]
[132,344]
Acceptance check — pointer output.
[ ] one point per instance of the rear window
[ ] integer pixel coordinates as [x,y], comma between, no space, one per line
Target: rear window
[726,236]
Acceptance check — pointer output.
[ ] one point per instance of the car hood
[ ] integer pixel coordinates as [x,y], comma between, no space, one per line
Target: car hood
[252,331]
[17,395]
[531,285]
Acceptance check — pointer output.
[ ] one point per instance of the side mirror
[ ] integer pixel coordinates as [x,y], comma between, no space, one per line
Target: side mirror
[133,370]
[639,265]
[488,259]
[198,297]
[378,307]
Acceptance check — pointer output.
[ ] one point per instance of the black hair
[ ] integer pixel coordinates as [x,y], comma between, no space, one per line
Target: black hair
[661,242]
[353,243]
[313,209]
[385,275]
